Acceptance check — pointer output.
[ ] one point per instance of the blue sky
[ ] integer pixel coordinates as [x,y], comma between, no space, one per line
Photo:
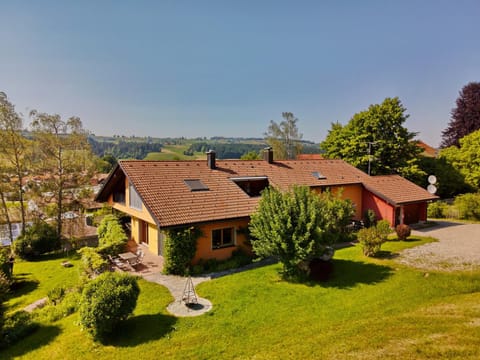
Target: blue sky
[226,68]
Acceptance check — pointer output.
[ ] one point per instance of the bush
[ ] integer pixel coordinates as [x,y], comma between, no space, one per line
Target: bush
[16,327]
[369,218]
[437,210]
[107,300]
[111,236]
[238,259]
[93,263]
[372,238]
[180,248]
[64,307]
[56,294]
[5,262]
[403,231]
[39,238]
[468,206]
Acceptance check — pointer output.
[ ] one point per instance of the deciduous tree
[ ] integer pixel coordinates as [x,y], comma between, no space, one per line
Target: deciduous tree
[14,149]
[284,138]
[296,226]
[66,159]
[376,140]
[465,117]
[466,158]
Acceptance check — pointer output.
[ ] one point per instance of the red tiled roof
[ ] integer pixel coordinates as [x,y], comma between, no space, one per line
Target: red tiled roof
[397,190]
[163,190]
[309,157]
[427,149]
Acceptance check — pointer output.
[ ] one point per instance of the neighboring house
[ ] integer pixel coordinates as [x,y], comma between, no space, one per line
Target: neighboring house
[218,197]
[428,151]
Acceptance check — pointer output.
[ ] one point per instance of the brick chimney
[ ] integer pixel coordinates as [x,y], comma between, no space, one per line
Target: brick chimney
[211,159]
[268,155]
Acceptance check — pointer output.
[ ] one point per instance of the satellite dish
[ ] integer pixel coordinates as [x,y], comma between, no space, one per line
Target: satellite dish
[432,179]
[432,189]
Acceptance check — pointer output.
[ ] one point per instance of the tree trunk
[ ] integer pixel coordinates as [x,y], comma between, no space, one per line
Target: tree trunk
[7,217]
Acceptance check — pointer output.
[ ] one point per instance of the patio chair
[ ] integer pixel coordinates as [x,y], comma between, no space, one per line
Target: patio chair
[139,259]
[117,262]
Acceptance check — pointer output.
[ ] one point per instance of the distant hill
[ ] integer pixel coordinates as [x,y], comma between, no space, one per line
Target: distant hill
[150,148]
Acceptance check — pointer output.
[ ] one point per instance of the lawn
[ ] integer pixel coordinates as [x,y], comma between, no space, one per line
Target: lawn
[370,309]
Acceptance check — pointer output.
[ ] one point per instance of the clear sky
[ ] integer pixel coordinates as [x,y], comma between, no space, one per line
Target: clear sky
[226,68]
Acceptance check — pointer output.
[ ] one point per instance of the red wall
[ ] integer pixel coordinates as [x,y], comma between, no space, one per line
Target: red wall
[383,210]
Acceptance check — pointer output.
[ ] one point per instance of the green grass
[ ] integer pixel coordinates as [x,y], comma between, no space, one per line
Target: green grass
[174,152]
[33,279]
[370,309]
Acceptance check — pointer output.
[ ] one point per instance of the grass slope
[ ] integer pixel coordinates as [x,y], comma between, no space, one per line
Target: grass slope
[371,309]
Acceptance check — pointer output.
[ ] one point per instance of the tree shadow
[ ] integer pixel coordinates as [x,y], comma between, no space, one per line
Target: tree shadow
[385,254]
[347,274]
[141,329]
[42,336]
[22,286]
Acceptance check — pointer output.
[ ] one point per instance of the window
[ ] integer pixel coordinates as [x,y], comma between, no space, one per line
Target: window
[252,186]
[318,175]
[134,199]
[195,185]
[222,238]
[119,193]
[119,197]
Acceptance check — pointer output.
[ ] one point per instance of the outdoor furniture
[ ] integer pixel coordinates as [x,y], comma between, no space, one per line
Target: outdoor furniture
[117,262]
[128,257]
[139,258]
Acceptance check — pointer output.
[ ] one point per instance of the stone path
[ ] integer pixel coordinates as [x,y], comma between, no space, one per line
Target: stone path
[458,248]
[176,286]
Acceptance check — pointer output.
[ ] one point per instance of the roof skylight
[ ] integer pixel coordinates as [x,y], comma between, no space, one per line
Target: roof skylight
[195,185]
[318,175]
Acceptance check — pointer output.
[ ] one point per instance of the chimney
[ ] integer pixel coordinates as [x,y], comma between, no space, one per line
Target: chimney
[211,159]
[268,155]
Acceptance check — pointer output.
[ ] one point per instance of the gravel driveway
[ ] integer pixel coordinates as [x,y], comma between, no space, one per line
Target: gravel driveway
[458,248]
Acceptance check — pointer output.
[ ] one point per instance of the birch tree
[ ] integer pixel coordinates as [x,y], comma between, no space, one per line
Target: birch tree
[14,149]
[65,155]
[284,138]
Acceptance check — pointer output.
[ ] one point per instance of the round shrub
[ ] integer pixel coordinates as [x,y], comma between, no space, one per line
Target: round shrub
[39,238]
[107,300]
[403,231]
[372,238]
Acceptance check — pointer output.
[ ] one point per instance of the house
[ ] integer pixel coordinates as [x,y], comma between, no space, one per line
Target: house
[218,197]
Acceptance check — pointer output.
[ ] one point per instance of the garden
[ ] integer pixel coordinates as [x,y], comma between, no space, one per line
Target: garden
[372,307]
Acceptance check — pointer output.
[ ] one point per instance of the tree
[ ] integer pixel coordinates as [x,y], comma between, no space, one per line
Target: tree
[295,226]
[465,117]
[450,181]
[65,156]
[466,158]
[376,141]
[39,238]
[284,138]
[107,300]
[251,155]
[14,149]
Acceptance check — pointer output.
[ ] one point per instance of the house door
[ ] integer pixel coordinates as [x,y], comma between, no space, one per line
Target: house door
[143,232]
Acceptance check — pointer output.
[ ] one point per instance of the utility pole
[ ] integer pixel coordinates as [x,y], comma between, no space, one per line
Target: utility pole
[370,143]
